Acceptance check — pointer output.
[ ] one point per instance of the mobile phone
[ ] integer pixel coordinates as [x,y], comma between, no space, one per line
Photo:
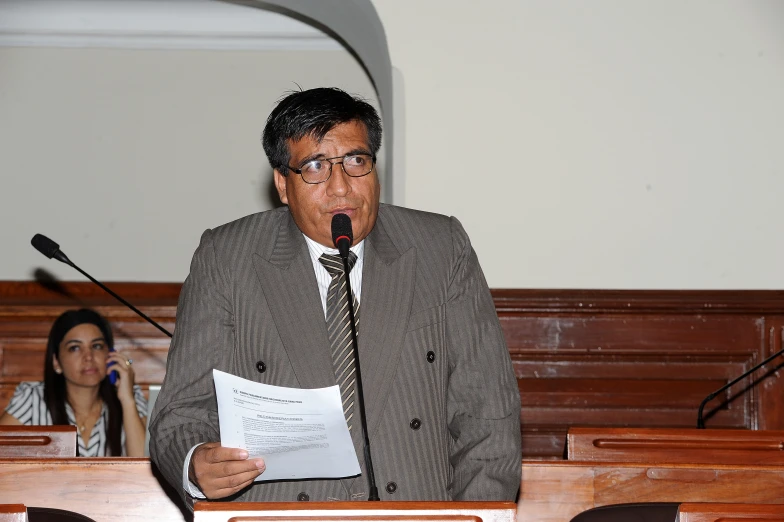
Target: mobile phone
[112,373]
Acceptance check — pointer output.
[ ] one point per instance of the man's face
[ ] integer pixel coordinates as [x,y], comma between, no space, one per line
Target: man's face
[313,206]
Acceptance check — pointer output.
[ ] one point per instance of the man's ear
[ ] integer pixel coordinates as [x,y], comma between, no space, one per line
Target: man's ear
[280,184]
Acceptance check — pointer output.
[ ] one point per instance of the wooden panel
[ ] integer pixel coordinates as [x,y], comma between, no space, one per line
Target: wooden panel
[551,492]
[640,359]
[659,368]
[104,489]
[715,512]
[675,445]
[771,391]
[582,357]
[557,491]
[37,441]
[69,294]
[23,360]
[6,392]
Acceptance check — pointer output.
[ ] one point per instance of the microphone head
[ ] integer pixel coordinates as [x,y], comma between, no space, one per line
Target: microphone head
[342,234]
[45,245]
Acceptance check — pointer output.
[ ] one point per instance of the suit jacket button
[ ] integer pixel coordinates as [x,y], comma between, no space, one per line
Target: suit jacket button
[303,497]
[261,367]
[391,487]
[431,356]
[415,424]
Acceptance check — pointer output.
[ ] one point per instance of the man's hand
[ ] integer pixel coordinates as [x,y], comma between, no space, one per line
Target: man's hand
[220,472]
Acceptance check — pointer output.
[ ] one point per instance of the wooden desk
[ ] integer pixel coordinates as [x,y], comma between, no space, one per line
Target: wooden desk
[709,512]
[125,490]
[37,441]
[557,491]
[659,445]
[355,512]
[104,489]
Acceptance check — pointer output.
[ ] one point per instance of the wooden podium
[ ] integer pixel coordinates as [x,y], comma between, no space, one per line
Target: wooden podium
[354,512]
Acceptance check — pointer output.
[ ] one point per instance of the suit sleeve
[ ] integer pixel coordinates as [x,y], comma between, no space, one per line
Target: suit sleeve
[483,402]
[186,411]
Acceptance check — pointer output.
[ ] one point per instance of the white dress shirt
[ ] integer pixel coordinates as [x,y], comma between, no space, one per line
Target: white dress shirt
[322,275]
[323,279]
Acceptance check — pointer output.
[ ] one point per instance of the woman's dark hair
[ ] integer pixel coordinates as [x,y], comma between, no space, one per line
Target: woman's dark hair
[314,113]
[54,383]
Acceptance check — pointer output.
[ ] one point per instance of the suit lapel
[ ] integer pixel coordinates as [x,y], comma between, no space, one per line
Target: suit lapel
[289,285]
[387,294]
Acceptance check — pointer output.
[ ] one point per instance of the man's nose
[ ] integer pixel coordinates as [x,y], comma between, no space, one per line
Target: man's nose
[338,183]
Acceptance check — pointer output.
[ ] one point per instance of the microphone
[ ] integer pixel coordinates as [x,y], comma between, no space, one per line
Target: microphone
[700,421]
[52,250]
[343,237]
[342,234]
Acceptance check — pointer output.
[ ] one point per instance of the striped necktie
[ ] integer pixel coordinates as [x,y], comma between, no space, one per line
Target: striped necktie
[339,329]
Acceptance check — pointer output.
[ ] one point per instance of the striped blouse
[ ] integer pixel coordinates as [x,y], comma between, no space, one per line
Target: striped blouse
[28,407]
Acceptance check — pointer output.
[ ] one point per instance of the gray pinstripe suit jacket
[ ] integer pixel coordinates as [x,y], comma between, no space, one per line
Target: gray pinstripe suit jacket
[252,298]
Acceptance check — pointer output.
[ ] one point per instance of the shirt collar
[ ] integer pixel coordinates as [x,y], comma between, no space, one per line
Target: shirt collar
[316,249]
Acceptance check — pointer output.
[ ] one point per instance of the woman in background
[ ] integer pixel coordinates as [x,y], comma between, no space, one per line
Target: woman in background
[77,390]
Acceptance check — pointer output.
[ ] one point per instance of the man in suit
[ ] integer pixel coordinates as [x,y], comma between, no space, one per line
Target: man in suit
[442,403]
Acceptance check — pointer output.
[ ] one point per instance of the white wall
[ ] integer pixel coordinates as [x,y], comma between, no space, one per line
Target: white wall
[125,157]
[602,144]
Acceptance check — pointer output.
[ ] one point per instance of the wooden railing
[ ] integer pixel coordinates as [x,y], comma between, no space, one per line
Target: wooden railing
[582,357]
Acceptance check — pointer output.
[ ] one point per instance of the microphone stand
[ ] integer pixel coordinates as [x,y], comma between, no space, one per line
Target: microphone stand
[60,256]
[700,421]
[373,494]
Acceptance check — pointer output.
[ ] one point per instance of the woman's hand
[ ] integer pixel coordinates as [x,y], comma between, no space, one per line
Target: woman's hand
[125,378]
[133,423]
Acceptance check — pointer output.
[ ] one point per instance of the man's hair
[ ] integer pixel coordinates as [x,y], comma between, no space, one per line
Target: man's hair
[314,113]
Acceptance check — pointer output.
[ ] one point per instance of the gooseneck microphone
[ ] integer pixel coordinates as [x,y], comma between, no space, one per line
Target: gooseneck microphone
[342,234]
[700,420]
[343,237]
[52,250]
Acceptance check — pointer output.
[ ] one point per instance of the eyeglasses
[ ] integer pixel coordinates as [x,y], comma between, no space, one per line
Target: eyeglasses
[319,170]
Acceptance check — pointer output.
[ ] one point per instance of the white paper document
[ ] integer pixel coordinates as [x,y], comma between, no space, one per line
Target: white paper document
[299,433]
